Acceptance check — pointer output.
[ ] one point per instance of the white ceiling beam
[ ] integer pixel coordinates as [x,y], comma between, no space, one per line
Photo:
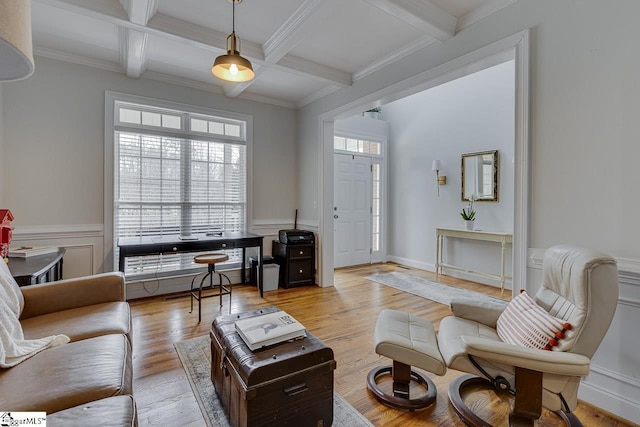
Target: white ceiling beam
[301,66]
[306,20]
[141,11]
[133,51]
[133,43]
[421,14]
[186,32]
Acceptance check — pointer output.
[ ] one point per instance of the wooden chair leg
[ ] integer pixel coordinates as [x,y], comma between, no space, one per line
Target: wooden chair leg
[528,403]
[401,399]
[456,388]
[528,399]
[401,374]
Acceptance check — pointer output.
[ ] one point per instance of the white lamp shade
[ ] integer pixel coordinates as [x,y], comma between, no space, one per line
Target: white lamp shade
[436,165]
[16,47]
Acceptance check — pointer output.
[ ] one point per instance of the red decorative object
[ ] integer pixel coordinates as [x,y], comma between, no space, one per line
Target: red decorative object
[5,232]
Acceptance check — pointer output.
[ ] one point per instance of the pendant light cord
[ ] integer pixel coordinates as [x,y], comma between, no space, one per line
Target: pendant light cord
[233,17]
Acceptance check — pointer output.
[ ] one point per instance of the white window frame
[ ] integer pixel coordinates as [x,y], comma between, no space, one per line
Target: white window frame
[110,124]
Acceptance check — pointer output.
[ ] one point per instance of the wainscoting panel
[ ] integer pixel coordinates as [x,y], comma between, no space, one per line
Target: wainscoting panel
[614,381]
[78,261]
[84,245]
[170,285]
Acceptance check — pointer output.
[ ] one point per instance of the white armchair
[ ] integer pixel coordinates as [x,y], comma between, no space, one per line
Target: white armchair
[579,286]
[570,314]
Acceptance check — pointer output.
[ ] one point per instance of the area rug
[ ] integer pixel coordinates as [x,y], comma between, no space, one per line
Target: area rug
[433,291]
[195,355]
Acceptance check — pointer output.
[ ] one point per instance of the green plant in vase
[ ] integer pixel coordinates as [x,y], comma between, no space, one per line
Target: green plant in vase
[468,214]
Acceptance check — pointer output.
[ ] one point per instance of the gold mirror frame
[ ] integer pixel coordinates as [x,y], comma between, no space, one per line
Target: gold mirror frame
[475,180]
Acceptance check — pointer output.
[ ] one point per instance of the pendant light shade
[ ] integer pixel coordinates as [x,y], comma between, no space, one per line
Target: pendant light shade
[16,47]
[232,67]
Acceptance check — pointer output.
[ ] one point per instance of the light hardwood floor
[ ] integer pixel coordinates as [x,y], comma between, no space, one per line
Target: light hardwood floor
[342,316]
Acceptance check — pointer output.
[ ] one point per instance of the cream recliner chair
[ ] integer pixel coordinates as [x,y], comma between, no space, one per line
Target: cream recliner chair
[579,286]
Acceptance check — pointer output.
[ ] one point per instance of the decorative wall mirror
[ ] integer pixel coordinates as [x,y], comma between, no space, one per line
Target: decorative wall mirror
[480,176]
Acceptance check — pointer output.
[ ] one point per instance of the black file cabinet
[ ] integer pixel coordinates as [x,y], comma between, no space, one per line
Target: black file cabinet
[297,263]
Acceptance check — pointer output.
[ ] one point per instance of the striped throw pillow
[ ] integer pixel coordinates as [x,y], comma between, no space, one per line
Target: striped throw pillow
[526,324]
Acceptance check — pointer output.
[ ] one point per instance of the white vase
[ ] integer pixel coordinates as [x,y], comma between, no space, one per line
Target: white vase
[469,224]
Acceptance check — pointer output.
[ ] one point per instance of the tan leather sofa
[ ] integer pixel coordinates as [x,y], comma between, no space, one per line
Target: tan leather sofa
[89,380]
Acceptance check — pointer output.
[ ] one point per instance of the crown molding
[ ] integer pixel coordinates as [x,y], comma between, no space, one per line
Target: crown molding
[482,12]
[268,100]
[77,59]
[317,95]
[112,10]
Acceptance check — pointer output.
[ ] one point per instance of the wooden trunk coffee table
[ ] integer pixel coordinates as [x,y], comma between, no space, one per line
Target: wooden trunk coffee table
[290,383]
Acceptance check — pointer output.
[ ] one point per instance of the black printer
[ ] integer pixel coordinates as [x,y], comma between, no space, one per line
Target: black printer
[294,252]
[296,237]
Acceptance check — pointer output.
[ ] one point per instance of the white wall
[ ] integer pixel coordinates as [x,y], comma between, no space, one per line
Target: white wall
[473,113]
[583,138]
[54,153]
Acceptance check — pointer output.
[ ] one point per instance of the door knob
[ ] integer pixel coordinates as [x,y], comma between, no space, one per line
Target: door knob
[335,216]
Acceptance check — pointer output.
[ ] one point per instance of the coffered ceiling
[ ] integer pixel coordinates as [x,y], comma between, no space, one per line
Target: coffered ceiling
[301,50]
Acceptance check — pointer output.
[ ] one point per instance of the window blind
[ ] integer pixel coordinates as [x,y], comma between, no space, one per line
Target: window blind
[176,182]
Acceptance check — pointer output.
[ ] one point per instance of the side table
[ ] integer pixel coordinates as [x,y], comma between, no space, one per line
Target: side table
[37,269]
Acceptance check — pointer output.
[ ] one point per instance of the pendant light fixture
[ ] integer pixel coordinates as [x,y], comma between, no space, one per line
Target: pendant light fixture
[232,67]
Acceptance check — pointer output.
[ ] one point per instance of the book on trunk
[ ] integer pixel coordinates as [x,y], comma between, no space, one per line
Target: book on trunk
[269,329]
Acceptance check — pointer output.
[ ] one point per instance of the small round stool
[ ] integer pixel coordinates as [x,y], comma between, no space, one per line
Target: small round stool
[211,260]
[409,341]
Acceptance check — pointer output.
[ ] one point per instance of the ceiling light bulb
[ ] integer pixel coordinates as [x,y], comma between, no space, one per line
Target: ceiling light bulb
[233,69]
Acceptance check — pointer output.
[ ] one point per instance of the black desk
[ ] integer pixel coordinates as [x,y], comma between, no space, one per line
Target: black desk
[38,268]
[137,246]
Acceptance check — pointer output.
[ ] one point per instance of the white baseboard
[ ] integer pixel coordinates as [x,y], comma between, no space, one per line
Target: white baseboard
[611,391]
[412,263]
[450,272]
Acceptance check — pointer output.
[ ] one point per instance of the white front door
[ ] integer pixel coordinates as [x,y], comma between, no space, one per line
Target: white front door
[352,210]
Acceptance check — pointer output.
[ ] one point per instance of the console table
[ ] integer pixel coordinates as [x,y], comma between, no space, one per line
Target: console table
[137,246]
[488,236]
[38,268]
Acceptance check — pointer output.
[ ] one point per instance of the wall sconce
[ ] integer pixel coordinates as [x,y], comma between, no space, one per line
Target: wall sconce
[441,179]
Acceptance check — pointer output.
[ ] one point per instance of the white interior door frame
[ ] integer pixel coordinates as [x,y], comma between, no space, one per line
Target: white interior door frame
[515,47]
